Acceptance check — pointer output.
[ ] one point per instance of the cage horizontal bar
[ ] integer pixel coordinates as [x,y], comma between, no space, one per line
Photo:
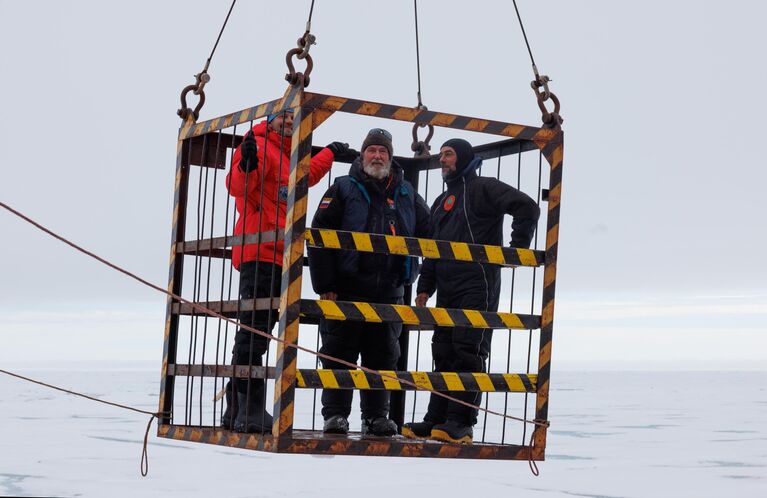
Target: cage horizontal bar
[439,381]
[317,443]
[357,379]
[433,249]
[375,109]
[378,243]
[203,247]
[377,313]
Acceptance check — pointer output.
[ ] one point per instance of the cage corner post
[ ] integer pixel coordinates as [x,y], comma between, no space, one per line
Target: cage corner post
[292,270]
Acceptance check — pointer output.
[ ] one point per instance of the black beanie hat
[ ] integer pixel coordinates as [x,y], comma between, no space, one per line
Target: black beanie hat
[378,136]
[464,152]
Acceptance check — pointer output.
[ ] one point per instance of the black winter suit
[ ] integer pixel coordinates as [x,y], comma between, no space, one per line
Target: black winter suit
[470,210]
[360,203]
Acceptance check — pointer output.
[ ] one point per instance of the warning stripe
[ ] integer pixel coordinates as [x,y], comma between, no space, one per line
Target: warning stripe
[292,263]
[411,315]
[358,311]
[553,152]
[447,381]
[411,246]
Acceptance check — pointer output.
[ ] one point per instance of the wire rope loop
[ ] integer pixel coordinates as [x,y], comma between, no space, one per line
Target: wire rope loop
[305,43]
[422,147]
[293,77]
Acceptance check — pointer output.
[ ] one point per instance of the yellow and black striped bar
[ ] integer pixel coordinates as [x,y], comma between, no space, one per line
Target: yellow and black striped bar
[332,103]
[414,315]
[553,152]
[292,263]
[175,271]
[376,313]
[378,243]
[357,379]
[439,381]
[411,246]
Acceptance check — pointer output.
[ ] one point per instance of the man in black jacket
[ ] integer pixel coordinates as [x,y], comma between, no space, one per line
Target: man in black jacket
[373,198]
[470,210]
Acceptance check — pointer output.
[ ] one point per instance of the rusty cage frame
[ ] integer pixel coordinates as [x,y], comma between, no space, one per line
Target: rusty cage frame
[311,110]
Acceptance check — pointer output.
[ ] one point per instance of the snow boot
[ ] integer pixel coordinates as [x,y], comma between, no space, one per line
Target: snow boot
[453,432]
[251,414]
[336,424]
[417,430]
[378,426]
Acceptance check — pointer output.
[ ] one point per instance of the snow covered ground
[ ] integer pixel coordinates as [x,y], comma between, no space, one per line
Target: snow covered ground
[613,435]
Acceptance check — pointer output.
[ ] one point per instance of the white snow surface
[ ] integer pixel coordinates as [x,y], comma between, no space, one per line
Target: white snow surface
[613,435]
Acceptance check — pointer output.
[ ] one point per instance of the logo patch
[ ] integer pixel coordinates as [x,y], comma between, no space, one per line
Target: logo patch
[391,203]
[325,202]
[449,203]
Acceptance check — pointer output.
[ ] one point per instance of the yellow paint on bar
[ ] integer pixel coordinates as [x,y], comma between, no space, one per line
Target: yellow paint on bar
[484,382]
[453,382]
[362,241]
[327,378]
[396,245]
[421,379]
[495,254]
[388,382]
[527,257]
[511,320]
[300,382]
[330,310]
[461,251]
[407,314]
[360,379]
[476,318]
[368,312]
[429,248]
[330,239]
[441,317]
[514,382]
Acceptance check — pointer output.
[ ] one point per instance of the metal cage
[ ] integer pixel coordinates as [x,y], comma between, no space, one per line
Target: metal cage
[209,146]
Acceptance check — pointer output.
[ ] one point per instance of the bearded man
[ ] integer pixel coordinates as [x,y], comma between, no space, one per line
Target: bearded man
[373,198]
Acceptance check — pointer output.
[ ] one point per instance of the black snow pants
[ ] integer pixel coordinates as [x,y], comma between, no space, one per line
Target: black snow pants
[377,343]
[249,348]
[461,349]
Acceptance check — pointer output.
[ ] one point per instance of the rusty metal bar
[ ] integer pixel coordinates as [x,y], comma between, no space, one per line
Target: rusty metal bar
[317,443]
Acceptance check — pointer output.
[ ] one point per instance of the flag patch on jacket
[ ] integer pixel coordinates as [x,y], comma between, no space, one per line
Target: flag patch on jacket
[325,202]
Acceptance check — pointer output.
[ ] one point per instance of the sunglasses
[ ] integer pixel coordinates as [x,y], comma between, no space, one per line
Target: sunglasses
[380,131]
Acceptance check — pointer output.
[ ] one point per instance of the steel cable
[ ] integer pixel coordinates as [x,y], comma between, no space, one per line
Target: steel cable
[285,343]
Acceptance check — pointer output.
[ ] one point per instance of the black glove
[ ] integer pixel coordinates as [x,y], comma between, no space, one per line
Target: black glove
[249,152]
[338,148]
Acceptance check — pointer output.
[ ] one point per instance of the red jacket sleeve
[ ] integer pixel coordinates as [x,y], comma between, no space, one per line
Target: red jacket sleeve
[320,165]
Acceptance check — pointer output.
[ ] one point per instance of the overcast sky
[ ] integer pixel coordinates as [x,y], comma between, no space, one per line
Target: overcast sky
[662,219]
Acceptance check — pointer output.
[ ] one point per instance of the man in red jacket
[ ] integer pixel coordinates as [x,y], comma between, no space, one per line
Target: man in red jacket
[258,181]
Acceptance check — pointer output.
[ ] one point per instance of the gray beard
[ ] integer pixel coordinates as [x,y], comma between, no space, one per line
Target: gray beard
[377,173]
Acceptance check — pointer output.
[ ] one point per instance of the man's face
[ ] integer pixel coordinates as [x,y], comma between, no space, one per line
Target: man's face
[283,124]
[376,161]
[447,159]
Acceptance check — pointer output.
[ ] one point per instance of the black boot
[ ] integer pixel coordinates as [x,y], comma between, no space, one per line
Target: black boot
[230,412]
[417,430]
[378,426]
[453,432]
[252,415]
